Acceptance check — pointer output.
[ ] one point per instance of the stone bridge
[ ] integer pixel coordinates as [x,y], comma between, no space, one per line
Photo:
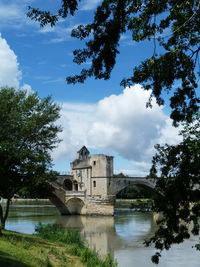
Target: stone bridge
[79,202]
[119,183]
[91,188]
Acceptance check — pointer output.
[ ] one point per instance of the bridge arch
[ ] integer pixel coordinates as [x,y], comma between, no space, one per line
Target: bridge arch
[122,183]
[75,205]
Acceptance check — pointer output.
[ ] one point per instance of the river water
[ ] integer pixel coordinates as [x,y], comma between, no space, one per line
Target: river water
[121,235]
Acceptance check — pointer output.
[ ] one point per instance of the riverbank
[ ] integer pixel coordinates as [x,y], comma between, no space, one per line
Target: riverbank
[50,247]
[22,250]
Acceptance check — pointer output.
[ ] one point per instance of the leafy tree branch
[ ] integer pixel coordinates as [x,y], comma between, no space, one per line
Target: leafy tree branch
[179,188]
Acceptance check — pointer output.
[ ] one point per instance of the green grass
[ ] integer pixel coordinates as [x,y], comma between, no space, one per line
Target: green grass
[55,233]
[21,250]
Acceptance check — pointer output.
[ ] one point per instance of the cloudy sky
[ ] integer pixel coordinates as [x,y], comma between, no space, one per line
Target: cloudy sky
[99,114]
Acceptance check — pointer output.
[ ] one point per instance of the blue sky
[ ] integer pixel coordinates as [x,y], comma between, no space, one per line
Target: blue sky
[100,114]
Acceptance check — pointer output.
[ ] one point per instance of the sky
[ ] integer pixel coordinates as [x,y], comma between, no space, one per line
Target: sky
[102,115]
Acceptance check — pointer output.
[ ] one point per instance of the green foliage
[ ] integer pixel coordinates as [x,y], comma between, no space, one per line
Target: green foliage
[142,205]
[53,251]
[74,250]
[179,189]
[132,191]
[56,233]
[27,135]
[88,256]
[46,17]
[173,27]
[47,262]
[26,243]
[91,259]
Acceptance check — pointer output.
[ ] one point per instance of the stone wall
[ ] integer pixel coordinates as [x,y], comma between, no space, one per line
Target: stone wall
[99,209]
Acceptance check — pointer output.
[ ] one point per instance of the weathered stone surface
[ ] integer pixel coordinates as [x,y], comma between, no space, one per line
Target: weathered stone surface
[100,209]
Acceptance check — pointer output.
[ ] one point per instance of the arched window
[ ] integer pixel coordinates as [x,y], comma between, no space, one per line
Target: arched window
[94,183]
[68,184]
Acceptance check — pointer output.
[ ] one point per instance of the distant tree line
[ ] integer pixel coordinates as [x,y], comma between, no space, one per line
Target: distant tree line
[135,192]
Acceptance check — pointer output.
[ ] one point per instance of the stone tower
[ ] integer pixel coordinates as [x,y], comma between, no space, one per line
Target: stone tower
[92,172]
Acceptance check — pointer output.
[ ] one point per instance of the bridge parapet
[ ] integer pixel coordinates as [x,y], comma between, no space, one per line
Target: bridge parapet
[75,193]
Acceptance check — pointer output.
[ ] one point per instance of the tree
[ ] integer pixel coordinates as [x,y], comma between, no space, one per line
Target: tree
[172,25]
[179,189]
[27,135]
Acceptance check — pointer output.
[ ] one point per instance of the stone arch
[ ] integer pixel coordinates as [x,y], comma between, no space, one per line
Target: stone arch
[75,205]
[123,183]
[67,184]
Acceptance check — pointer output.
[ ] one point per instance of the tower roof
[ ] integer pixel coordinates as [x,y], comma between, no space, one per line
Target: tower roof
[83,148]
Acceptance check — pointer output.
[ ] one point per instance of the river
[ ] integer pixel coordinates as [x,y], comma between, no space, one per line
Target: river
[121,235]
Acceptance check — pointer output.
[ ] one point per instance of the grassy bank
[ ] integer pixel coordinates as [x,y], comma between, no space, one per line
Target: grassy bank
[20,250]
[51,247]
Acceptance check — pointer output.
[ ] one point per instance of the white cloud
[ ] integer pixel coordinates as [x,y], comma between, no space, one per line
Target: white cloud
[9,66]
[169,134]
[10,74]
[27,88]
[9,11]
[134,172]
[75,121]
[13,14]
[90,4]
[47,29]
[58,80]
[117,124]
[126,40]
[61,33]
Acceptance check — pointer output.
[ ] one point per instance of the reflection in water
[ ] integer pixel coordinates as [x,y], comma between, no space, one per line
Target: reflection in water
[121,235]
[99,231]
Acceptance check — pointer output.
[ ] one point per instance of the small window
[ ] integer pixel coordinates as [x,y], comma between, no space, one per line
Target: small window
[94,183]
[94,162]
[75,186]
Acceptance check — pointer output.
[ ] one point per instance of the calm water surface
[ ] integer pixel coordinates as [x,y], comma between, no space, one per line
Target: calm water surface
[121,235]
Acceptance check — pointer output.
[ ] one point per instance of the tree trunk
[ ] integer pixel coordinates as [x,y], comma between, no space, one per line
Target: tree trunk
[3,217]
